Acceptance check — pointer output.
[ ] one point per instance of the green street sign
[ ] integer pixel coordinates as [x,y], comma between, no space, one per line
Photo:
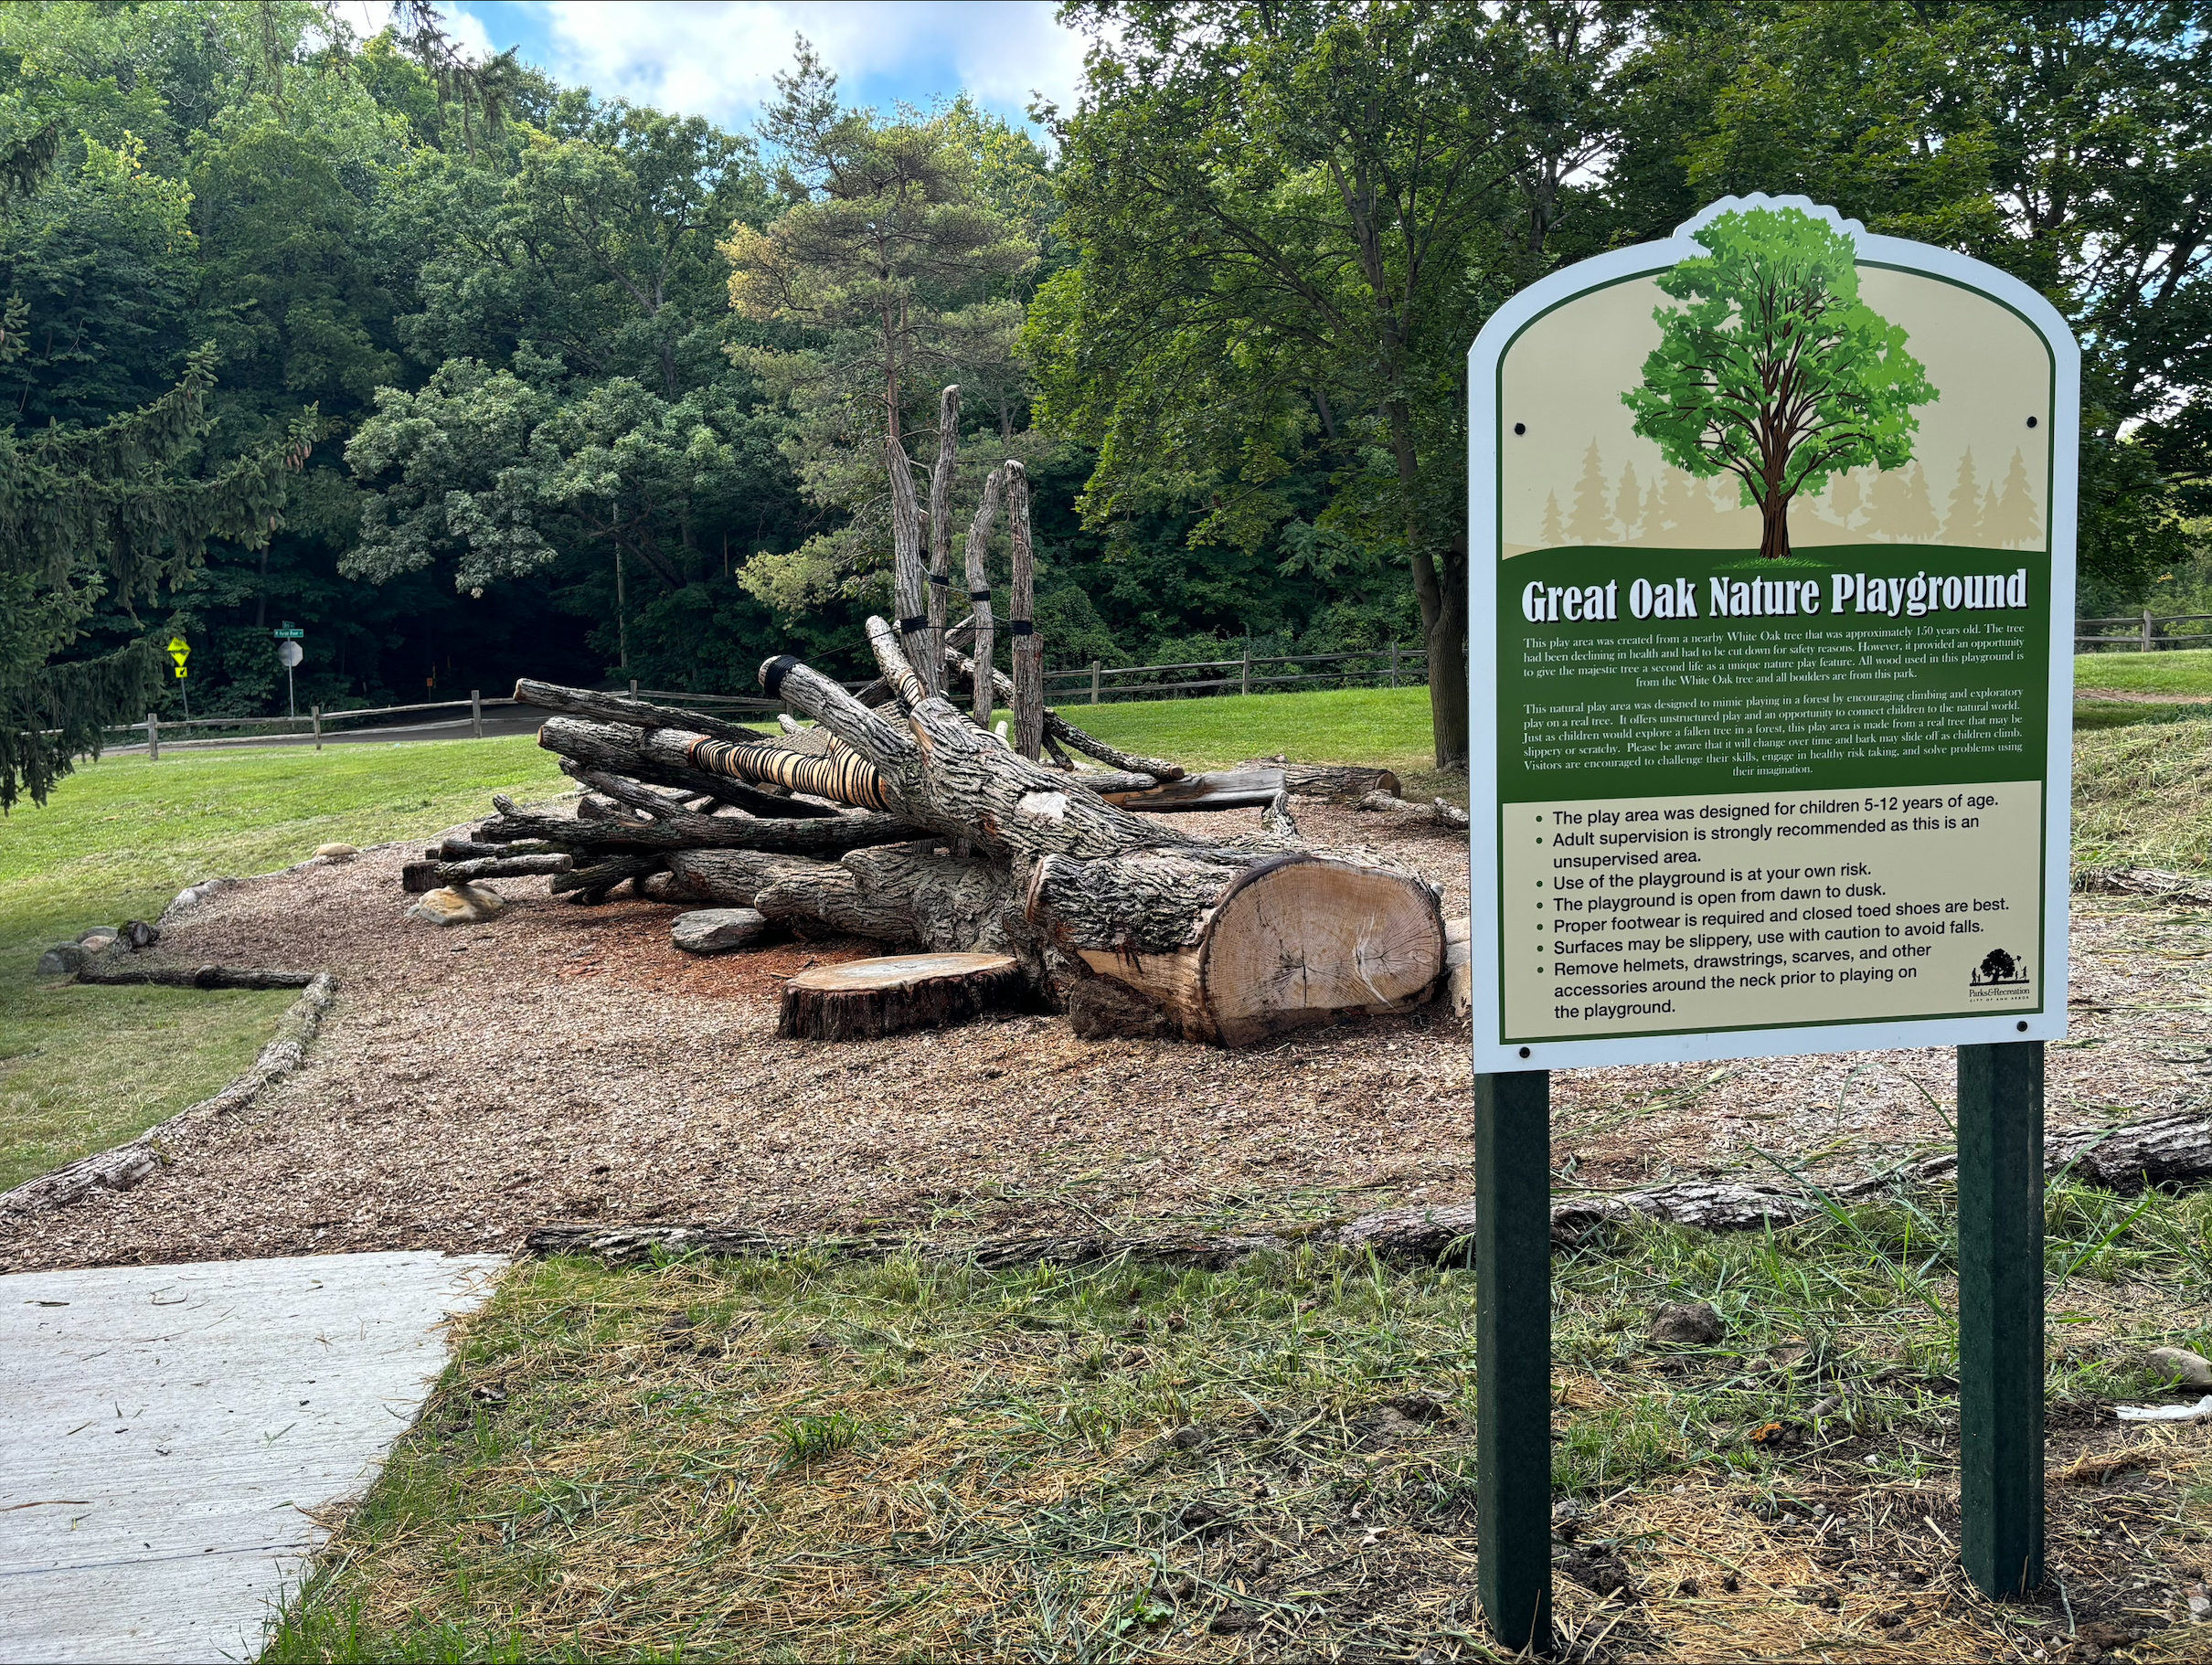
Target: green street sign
[288,632]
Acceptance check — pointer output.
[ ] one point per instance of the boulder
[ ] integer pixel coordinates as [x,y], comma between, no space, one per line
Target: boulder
[716,930]
[105,932]
[2179,1366]
[457,905]
[1686,1324]
[337,853]
[62,959]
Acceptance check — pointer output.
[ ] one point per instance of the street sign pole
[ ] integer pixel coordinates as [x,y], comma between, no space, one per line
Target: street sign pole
[2001,1315]
[1512,1354]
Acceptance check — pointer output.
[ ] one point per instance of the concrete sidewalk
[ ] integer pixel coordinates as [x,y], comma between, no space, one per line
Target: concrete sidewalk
[168,1428]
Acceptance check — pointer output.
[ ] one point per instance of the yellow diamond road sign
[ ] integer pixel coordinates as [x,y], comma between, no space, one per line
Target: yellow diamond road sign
[179,650]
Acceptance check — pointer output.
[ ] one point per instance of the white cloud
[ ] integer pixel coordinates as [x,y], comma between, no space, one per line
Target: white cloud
[719,59]
[367,17]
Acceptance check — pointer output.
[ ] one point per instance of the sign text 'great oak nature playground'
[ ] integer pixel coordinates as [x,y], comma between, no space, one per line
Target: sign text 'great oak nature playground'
[1773,534]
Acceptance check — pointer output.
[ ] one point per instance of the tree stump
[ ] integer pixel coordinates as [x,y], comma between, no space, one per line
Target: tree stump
[867,998]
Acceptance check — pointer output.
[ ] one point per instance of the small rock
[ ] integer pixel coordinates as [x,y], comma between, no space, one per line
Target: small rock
[716,930]
[2179,1366]
[1187,1437]
[337,853]
[457,905]
[96,942]
[1197,1516]
[62,959]
[106,931]
[1686,1324]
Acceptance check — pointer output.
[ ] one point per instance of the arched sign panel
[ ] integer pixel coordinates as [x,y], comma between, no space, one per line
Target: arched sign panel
[1770,628]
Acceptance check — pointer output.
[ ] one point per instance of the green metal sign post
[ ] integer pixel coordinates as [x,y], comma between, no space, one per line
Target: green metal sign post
[2001,1315]
[1770,547]
[1512,1353]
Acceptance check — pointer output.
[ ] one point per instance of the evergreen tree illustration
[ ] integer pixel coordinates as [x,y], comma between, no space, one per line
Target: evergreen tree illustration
[1628,504]
[1847,502]
[1592,521]
[1962,517]
[1662,505]
[2011,518]
[1903,510]
[1553,534]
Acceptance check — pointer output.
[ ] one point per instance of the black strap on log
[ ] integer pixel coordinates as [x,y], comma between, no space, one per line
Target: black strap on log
[979,595]
[1021,627]
[773,676]
[909,626]
[944,579]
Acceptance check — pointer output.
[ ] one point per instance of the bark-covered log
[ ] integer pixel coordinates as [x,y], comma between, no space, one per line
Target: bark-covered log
[908,577]
[662,756]
[1294,938]
[634,1245]
[109,969]
[472,849]
[941,531]
[1436,813]
[680,830]
[978,589]
[417,878]
[590,884]
[2174,1150]
[1344,781]
[1027,654]
[636,712]
[863,999]
[2182,889]
[1240,788]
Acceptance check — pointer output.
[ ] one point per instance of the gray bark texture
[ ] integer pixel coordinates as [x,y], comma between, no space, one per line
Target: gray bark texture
[1028,654]
[909,578]
[941,531]
[662,757]
[979,586]
[637,712]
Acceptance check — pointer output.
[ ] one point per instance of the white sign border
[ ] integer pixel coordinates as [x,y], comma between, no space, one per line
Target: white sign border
[1492,1054]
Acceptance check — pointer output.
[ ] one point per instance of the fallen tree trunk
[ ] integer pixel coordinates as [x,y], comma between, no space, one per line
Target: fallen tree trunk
[1347,781]
[417,877]
[680,830]
[102,968]
[1237,788]
[2181,888]
[1436,813]
[662,756]
[1229,941]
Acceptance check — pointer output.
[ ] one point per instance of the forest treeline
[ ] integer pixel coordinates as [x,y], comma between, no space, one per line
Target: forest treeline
[469,374]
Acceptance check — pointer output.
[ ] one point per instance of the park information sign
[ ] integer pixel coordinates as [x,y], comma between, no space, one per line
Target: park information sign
[1771,547]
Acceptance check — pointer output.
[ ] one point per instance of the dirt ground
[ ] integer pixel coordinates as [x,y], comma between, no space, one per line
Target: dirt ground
[564,1062]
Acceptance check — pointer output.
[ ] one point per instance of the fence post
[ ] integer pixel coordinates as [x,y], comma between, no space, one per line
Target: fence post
[153,738]
[1244,679]
[633,688]
[477,711]
[315,715]
[1394,664]
[2146,630]
[1095,669]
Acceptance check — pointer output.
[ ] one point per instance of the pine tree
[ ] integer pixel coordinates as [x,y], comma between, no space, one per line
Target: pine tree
[1847,502]
[106,512]
[1554,534]
[2011,519]
[1903,510]
[1962,517]
[1592,521]
[1628,506]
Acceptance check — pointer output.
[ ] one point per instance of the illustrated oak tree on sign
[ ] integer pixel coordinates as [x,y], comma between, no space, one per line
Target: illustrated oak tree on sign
[1774,370]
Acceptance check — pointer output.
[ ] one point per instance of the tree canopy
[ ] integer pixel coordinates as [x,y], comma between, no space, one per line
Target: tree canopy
[1775,371]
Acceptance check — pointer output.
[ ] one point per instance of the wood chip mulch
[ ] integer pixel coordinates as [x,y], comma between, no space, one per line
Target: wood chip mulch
[564,1062]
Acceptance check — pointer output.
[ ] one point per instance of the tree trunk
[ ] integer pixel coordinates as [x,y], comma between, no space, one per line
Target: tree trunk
[941,529]
[979,587]
[1436,813]
[664,756]
[1345,782]
[680,830]
[1027,652]
[636,712]
[1774,527]
[863,999]
[1237,788]
[1445,639]
[1233,941]
[961,673]
[909,583]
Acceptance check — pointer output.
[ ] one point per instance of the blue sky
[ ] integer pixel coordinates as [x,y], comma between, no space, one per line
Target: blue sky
[715,57]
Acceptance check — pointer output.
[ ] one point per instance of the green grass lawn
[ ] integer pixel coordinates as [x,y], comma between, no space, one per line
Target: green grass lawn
[1385,727]
[84,1068]
[2183,670]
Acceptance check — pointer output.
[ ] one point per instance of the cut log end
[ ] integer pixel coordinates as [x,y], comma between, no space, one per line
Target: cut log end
[867,998]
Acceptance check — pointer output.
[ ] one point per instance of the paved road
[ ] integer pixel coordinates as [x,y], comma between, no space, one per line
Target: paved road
[169,1428]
